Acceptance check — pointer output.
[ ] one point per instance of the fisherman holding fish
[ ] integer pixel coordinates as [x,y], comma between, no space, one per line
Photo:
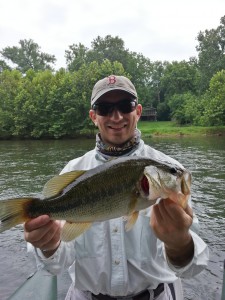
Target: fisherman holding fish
[138,236]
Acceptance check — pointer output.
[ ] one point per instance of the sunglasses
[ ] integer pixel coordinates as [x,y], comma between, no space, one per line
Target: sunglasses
[124,106]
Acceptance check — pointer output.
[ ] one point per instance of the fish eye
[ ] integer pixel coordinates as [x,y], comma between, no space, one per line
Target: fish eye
[173,170]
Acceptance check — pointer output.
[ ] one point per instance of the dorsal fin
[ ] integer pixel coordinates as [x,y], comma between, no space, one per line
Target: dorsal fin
[56,185]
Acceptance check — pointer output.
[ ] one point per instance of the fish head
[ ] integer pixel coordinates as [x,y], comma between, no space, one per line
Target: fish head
[173,183]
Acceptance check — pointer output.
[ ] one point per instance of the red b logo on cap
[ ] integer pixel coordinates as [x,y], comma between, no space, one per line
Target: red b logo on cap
[112,79]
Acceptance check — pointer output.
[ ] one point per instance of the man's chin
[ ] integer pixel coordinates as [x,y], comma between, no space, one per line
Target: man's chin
[118,141]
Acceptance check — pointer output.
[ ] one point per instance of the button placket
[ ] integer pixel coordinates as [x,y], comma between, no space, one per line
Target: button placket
[117,279]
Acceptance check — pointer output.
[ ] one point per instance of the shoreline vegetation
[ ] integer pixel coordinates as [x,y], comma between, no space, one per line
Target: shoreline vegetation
[148,128]
[169,128]
[38,102]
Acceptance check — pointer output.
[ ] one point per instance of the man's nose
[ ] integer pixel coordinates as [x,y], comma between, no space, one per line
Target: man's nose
[116,114]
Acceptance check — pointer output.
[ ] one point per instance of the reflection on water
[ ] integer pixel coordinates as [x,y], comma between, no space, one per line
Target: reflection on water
[25,166]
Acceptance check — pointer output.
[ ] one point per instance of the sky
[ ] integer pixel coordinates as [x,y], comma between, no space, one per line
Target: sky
[159,29]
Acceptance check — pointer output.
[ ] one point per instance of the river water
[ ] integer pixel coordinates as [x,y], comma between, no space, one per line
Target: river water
[25,166]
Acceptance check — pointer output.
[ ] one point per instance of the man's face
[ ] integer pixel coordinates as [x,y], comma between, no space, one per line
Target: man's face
[116,128]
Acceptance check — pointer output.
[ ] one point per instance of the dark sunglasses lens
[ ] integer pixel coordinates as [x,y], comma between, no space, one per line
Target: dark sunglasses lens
[104,109]
[124,106]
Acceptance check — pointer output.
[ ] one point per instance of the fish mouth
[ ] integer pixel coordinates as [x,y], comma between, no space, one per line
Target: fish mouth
[145,185]
[154,185]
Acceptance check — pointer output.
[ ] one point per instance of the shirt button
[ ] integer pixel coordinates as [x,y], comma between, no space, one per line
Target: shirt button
[117,261]
[115,229]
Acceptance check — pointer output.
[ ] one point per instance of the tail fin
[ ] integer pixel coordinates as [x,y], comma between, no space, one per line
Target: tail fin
[13,212]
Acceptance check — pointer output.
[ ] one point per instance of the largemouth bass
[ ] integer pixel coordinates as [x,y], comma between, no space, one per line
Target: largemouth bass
[120,187]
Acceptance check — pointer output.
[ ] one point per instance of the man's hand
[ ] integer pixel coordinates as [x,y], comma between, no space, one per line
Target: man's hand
[171,223]
[43,233]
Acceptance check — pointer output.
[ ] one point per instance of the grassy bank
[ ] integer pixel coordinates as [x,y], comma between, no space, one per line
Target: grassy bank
[170,128]
[148,129]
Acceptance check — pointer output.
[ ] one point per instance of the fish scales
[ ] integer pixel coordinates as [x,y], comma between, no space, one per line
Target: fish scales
[90,195]
[108,191]
[82,195]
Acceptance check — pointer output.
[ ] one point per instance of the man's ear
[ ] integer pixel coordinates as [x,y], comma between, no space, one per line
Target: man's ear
[139,111]
[93,116]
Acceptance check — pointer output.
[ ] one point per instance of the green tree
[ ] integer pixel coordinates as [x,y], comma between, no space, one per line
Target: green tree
[108,48]
[163,111]
[10,82]
[76,56]
[28,56]
[214,109]
[32,113]
[193,109]
[4,66]
[211,53]
[173,80]
[184,108]
[178,78]
[111,48]
[155,83]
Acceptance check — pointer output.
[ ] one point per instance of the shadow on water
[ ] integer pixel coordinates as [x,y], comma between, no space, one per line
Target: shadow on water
[25,166]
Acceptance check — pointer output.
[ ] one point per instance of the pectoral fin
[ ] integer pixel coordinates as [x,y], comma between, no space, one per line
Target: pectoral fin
[72,230]
[56,185]
[131,220]
[132,213]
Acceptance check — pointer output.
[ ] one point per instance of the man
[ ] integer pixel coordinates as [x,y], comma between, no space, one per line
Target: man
[107,262]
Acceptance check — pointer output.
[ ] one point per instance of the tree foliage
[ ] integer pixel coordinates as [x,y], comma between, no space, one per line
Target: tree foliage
[179,78]
[4,66]
[44,104]
[214,109]
[28,56]
[37,102]
[9,88]
[111,48]
[108,48]
[205,110]
[76,57]
[211,53]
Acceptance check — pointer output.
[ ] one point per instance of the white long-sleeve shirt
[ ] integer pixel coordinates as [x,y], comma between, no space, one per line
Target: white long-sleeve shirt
[109,260]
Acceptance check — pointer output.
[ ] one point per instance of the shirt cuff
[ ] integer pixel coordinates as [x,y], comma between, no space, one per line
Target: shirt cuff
[200,257]
[52,258]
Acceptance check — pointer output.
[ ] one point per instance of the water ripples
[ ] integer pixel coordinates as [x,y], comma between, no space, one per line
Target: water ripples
[205,158]
[26,166]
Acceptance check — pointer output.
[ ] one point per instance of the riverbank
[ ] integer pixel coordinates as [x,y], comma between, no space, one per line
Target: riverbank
[169,128]
[148,129]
